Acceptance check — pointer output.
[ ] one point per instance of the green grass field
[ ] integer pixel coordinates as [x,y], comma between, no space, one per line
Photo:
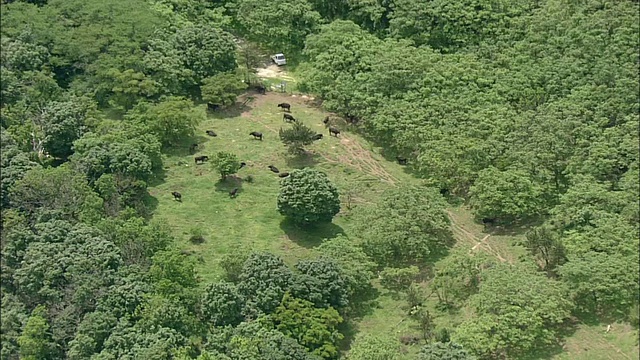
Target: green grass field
[251,220]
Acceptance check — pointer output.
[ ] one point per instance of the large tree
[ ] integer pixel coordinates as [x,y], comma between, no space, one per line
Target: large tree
[307,196]
[405,226]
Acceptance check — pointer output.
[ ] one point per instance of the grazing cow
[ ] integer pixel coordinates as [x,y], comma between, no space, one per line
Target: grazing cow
[211,133]
[317,136]
[242,164]
[288,117]
[177,196]
[193,148]
[212,107]
[201,159]
[401,160]
[283,175]
[256,135]
[334,131]
[274,169]
[326,120]
[233,193]
[285,106]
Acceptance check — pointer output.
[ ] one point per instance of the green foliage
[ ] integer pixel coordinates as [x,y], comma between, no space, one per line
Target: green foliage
[173,273]
[281,26]
[263,282]
[307,197]
[225,163]
[35,342]
[196,235]
[356,267]
[374,347]
[313,328]
[222,89]
[232,264]
[544,245]
[321,282]
[172,120]
[296,137]
[444,351]
[507,195]
[457,277]
[398,279]
[404,227]
[517,311]
[221,304]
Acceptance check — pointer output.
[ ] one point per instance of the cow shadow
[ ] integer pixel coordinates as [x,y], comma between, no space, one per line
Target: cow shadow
[310,236]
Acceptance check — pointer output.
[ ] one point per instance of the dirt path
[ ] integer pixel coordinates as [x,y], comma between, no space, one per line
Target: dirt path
[470,238]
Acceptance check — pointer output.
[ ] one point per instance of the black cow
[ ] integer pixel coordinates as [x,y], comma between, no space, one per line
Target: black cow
[317,136]
[233,193]
[201,159]
[177,196]
[283,175]
[193,148]
[274,169]
[401,160]
[288,117]
[211,133]
[256,135]
[285,106]
[242,164]
[212,107]
[261,89]
[326,120]
[444,192]
[334,131]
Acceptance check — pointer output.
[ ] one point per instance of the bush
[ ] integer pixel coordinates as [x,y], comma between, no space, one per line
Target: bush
[197,236]
[398,279]
[307,197]
[296,137]
[226,164]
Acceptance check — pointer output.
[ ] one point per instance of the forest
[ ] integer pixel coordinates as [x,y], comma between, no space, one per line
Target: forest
[456,180]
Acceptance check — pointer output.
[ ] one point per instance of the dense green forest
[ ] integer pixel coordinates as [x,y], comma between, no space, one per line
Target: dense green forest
[527,111]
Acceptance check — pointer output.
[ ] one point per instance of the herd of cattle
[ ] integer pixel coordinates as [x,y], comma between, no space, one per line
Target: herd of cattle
[258,136]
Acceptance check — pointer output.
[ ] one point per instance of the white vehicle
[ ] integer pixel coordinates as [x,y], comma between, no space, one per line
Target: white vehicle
[279,59]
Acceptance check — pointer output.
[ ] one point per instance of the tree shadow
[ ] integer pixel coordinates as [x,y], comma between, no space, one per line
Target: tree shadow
[159,177]
[513,229]
[150,204]
[232,111]
[183,148]
[310,236]
[547,352]
[306,159]
[349,329]
[228,184]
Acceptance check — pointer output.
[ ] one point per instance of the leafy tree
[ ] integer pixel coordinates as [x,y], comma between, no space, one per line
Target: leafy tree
[374,347]
[544,244]
[296,137]
[602,283]
[404,227]
[14,163]
[263,281]
[307,196]
[444,351]
[278,25]
[225,163]
[508,195]
[13,316]
[35,341]
[222,89]
[321,282]
[59,190]
[357,267]
[313,328]
[457,277]
[221,304]
[232,264]
[518,309]
[172,120]
[171,313]
[94,329]
[398,279]
[173,274]
[128,340]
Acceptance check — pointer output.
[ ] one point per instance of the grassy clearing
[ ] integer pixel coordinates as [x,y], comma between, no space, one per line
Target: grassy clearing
[359,171]
[251,220]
